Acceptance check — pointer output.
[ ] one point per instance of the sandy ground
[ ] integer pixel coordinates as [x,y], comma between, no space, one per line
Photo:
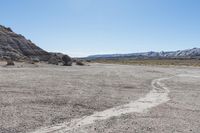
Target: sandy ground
[36,96]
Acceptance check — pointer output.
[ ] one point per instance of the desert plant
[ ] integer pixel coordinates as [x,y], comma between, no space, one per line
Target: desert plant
[10,63]
[80,63]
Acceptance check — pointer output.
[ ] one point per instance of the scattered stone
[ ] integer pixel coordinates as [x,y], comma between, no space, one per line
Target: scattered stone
[88,61]
[31,62]
[74,60]
[35,59]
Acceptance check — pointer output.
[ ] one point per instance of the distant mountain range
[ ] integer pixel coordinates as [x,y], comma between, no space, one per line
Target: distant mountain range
[189,53]
[18,47]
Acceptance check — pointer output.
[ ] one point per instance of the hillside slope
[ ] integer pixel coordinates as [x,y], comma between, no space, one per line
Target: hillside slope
[18,47]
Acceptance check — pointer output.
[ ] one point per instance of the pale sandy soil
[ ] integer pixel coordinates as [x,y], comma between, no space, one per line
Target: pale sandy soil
[36,96]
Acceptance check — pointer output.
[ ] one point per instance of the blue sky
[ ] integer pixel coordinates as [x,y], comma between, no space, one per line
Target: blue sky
[85,27]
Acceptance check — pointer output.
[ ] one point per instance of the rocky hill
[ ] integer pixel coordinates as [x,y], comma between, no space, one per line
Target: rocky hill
[18,47]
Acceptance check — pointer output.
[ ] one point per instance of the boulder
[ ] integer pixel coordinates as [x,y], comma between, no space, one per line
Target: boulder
[53,60]
[67,61]
[35,59]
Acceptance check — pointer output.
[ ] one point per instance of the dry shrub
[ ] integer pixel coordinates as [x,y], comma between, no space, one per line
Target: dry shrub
[10,63]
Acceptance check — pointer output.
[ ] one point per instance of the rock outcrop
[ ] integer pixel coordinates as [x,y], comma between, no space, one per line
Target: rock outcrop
[18,47]
[63,59]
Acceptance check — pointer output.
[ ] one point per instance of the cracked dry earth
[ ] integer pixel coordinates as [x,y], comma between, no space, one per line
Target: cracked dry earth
[99,98]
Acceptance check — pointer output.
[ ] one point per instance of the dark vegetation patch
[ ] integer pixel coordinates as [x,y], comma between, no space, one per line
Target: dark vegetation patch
[167,62]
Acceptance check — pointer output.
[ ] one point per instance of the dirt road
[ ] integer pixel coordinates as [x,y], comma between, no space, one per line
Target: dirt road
[100,98]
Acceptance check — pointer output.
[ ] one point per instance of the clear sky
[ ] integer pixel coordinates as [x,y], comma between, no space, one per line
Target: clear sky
[85,27]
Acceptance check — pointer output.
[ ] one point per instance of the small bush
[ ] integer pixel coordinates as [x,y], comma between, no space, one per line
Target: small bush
[10,63]
[80,63]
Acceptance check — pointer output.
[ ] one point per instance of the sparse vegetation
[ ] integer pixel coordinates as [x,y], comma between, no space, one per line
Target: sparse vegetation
[80,63]
[10,63]
[179,62]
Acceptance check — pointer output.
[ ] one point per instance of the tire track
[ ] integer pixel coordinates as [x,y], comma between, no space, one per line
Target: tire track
[158,95]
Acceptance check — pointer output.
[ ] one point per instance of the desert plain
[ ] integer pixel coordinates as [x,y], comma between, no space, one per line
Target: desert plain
[99,98]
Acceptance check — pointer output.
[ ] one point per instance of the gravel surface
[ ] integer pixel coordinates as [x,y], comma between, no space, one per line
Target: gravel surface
[36,96]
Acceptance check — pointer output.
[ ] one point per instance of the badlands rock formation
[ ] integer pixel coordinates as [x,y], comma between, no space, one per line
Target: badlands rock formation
[18,47]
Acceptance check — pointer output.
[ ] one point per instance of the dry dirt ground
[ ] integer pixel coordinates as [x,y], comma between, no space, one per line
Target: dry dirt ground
[36,98]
